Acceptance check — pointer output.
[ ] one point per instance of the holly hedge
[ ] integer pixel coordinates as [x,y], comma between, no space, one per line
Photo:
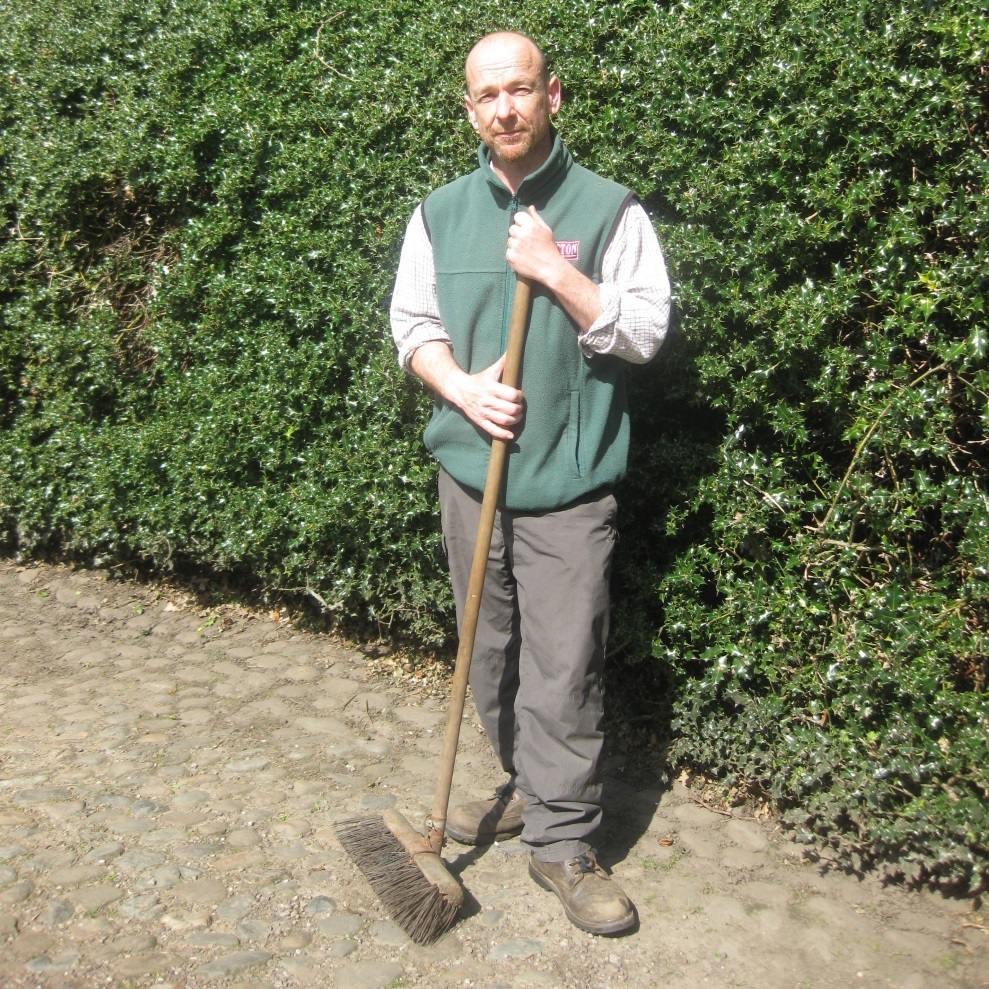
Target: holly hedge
[202,207]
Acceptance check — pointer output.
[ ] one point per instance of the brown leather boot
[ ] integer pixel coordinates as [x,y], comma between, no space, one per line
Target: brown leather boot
[592,900]
[485,821]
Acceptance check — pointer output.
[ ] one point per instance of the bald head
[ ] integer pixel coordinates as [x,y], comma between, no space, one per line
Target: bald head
[501,48]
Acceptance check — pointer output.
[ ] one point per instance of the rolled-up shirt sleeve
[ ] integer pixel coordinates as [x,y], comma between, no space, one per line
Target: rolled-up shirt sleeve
[415,314]
[636,298]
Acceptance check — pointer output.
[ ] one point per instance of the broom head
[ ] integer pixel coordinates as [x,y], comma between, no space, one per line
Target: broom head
[407,876]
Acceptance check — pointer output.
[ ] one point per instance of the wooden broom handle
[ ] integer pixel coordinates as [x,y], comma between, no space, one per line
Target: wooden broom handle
[468,625]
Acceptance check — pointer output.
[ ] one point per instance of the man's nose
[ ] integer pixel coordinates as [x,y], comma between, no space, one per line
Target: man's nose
[505,106]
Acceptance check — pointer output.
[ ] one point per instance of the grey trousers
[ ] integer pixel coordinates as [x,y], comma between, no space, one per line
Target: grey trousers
[538,658]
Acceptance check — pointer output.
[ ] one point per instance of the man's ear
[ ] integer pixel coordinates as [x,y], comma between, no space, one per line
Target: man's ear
[469,107]
[554,92]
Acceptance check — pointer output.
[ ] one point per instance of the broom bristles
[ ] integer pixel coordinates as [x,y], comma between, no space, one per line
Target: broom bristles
[411,900]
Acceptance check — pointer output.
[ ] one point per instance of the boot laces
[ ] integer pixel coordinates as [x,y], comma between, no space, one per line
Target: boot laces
[585,863]
[505,793]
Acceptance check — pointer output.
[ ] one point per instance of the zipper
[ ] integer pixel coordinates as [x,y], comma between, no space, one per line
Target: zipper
[513,208]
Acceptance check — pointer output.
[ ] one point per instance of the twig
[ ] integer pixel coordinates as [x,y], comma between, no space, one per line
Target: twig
[766,496]
[319,58]
[710,807]
[313,594]
[858,547]
[868,436]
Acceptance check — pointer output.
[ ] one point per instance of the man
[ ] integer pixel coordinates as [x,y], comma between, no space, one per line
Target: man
[601,298]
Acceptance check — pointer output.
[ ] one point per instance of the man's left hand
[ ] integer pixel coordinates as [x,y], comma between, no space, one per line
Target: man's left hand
[532,251]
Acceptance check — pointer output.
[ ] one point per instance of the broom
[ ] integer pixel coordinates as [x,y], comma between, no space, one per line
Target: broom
[403,867]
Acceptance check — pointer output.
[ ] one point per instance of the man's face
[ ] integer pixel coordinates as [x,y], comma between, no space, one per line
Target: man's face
[510,101]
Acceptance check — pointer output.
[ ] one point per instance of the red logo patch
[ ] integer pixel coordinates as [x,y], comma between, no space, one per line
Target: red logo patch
[570,249]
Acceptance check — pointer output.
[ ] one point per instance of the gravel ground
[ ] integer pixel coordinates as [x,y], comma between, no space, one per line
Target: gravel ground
[170,772]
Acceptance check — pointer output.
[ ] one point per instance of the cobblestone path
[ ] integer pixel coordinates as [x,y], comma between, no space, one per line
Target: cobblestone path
[169,776]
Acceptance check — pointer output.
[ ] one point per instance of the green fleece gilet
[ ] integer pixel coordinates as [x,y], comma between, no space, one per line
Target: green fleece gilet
[574,437]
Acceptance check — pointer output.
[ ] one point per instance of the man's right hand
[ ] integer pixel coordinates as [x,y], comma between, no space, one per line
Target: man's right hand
[488,403]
